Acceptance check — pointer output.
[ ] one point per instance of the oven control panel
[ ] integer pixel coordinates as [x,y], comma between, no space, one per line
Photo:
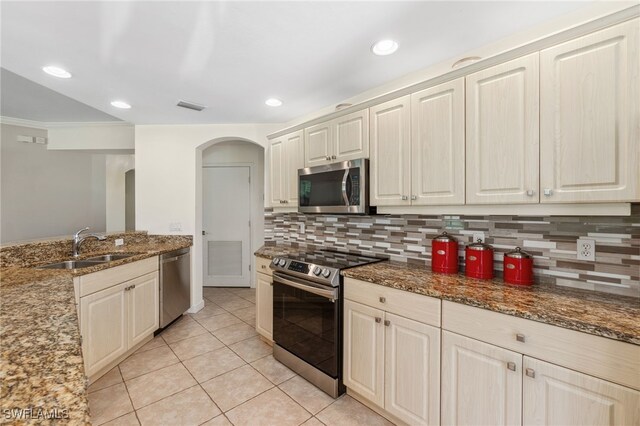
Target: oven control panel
[300,267]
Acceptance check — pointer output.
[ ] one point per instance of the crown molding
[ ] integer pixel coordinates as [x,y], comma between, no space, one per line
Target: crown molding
[45,125]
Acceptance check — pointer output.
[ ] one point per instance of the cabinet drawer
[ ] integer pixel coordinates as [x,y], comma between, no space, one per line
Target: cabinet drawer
[100,280]
[409,305]
[262,265]
[609,359]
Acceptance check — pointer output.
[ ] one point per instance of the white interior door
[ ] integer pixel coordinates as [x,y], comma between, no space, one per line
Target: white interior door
[227,226]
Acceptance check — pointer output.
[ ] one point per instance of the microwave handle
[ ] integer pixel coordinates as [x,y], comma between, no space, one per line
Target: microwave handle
[345,197]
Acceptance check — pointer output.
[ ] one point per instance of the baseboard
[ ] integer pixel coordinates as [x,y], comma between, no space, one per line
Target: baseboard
[196,308]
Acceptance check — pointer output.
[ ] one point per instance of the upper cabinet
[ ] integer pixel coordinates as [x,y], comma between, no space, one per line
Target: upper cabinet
[286,157]
[341,139]
[390,166]
[589,132]
[437,145]
[502,144]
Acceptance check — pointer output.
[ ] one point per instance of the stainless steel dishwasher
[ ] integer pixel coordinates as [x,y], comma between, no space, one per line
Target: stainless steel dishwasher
[175,285]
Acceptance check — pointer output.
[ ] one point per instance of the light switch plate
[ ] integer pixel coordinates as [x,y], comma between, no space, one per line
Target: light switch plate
[175,226]
[478,236]
[119,242]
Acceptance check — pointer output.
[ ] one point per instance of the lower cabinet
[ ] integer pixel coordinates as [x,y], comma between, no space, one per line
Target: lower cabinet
[115,319]
[485,384]
[393,361]
[264,298]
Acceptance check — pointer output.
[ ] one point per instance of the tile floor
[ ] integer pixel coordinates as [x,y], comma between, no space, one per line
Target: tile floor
[211,368]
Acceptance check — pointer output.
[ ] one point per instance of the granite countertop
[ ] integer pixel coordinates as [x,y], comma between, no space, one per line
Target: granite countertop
[41,364]
[600,314]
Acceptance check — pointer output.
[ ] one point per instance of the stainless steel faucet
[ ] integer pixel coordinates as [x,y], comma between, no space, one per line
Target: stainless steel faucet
[78,240]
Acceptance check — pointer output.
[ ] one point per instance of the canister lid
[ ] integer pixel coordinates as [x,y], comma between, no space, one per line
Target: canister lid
[444,237]
[479,245]
[518,254]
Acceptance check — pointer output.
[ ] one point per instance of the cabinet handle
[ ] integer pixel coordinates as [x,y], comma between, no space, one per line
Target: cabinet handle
[333,157]
[387,323]
[530,372]
[328,157]
[404,198]
[511,366]
[548,192]
[520,337]
[382,299]
[414,197]
[263,267]
[531,193]
[378,319]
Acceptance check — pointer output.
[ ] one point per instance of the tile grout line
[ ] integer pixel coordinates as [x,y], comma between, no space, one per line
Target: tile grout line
[126,388]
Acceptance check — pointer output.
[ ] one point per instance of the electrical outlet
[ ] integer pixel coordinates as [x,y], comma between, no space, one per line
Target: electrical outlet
[301,227]
[586,248]
[478,236]
[119,242]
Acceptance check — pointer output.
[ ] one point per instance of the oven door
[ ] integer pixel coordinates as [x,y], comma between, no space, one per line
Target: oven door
[306,322]
[334,188]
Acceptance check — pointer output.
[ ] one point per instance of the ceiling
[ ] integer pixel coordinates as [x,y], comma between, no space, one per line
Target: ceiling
[231,56]
[22,98]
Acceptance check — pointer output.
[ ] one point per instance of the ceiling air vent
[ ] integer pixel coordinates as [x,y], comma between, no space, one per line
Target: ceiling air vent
[191,105]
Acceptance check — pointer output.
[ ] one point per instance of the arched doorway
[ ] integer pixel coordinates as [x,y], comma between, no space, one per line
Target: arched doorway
[231,176]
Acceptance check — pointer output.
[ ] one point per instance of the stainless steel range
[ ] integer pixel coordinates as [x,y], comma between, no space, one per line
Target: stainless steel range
[307,314]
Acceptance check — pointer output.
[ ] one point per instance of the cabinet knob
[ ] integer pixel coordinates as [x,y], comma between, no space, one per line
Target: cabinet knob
[414,197]
[511,366]
[520,337]
[387,323]
[404,198]
[548,192]
[382,299]
[333,157]
[378,319]
[328,157]
[263,266]
[531,193]
[530,372]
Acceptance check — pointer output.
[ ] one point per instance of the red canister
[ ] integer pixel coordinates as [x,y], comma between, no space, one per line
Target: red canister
[518,267]
[479,260]
[444,254]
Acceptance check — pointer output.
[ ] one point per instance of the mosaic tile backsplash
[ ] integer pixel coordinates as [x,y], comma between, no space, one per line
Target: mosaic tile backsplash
[551,240]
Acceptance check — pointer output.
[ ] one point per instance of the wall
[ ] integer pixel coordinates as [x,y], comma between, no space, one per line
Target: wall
[48,193]
[116,167]
[246,153]
[552,241]
[93,136]
[169,180]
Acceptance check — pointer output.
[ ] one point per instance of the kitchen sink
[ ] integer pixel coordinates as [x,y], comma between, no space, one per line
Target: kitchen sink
[110,257]
[73,264]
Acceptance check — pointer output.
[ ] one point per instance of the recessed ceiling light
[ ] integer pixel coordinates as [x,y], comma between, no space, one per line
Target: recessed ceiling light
[273,102]
[384,47]
[56,71]
[120,104]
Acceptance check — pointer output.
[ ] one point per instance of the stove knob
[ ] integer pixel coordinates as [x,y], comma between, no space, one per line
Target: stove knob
[326,273]
[317,270]
[275,261]
[281,262]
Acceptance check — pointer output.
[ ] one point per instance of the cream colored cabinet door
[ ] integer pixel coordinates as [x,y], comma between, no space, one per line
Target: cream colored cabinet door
[363,364]
[277,170]
[589,112]
[437,145]
[412,370]
[318,142]
[104,327]
[351,136]
[143,305]
[503,133]
[264,305]
[294,160]
[554,395]
[481,383]
[390,163]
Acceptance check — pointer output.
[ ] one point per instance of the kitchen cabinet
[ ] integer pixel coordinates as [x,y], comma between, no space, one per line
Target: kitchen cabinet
[390,360]
[481,383]
[590,104]
[118,312]
[264,299]
[502,133]
[286,157]
[390,164]
[437,145]
[341,139]
[554,395]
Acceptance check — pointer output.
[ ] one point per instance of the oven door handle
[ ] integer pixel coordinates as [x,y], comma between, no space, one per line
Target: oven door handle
[328,294]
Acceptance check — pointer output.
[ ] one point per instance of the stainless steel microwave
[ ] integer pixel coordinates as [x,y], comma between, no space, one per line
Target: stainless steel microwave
[334,188]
